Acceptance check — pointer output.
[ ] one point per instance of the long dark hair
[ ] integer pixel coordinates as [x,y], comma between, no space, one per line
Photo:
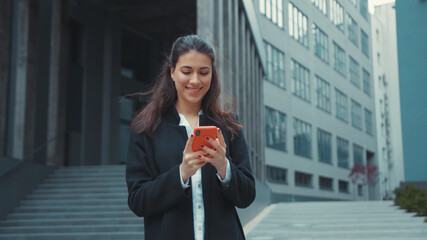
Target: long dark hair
[163,95]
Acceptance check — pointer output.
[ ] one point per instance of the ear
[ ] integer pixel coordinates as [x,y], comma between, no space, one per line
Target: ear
[172,72]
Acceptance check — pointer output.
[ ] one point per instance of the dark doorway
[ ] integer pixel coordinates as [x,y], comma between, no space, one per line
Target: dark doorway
[372,175]
[73,122]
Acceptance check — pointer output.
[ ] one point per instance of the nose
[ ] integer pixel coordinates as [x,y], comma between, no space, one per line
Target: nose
[194,78]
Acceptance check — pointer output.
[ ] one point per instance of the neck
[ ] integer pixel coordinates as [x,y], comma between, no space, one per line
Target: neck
[188,109]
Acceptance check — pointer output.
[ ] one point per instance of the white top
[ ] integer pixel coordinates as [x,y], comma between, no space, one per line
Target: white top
[196,188]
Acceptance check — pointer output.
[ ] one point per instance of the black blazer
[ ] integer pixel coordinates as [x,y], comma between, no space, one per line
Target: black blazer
[155,191]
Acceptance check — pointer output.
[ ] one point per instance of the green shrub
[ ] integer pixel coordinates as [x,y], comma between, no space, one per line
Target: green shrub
[412,199]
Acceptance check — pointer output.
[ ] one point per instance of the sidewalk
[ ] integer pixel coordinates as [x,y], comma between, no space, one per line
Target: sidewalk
[336,220]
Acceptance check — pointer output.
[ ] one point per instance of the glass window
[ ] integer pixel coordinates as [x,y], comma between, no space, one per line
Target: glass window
[275,65]
[341,105]
[354,72]
[302,138]
[277,175]
[366,82]
[326,183]
[358,154]
[343,186]
[368,122]
[321,44]
[339,59]
[323,94]
[365,43]
[298,25]
[321,5]
[275,129]
[272,10]
[337,15]
[262,6]
[303,179]
[364,8]
[343,152]
[324,146]
[352,30]
[356,114]
[300,80]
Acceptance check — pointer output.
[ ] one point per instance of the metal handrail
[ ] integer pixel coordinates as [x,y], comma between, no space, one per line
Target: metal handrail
[36,150]
[43,145]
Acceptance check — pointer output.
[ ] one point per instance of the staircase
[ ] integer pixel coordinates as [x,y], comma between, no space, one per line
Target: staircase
[87,202]
[355,220]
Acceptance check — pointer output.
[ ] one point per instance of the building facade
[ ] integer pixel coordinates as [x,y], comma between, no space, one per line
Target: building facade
[68,66]
[387,99]
[411,19]
[319,99]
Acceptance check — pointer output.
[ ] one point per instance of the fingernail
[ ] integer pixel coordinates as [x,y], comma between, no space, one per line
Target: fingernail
[215,149]
[202,146]
[191,135]
[219,130]
[207,138]
[200,156]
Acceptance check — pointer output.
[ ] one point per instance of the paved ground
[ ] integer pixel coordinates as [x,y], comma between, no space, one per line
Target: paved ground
[336,220]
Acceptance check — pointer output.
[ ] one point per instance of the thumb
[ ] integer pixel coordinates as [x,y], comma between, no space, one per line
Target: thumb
[189,144]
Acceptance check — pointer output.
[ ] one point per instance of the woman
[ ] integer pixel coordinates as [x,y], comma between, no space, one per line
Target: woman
[180,193]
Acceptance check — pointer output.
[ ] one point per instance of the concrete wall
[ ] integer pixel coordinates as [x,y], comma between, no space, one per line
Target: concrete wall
[5,34]
[387,99]
[411,19]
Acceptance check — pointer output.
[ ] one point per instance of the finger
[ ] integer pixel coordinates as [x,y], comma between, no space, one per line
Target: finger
[197,163]
[189,143]
[221,138]
[193,155]
[215,144]
[208,151]
[204,160]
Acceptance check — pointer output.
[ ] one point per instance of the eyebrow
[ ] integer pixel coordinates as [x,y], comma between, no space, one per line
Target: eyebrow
[192,68]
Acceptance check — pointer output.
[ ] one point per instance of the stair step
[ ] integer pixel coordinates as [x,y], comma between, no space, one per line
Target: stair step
[70,168]
[87,174]
[81,190]
[71,202]
[119,235]
[75,221]
[84,180]
[61,209]
[70,215]
[121,168]
[79,185]
[73,228]
[80,196]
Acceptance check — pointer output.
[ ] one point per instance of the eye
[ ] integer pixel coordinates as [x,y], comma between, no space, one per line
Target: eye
[186,73]
[204,73]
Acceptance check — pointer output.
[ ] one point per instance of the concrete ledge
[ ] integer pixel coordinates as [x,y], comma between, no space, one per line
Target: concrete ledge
[418,184]
[277,198]
[18,182]
[262,201]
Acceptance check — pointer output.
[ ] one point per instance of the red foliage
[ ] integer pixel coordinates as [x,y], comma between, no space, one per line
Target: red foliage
[368,173]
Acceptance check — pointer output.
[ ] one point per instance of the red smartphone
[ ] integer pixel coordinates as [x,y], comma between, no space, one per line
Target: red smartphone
[200,134]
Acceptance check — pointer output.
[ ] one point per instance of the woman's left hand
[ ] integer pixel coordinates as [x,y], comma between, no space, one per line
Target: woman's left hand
[216,154]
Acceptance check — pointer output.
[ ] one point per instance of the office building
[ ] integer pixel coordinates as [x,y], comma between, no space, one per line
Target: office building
[319,99]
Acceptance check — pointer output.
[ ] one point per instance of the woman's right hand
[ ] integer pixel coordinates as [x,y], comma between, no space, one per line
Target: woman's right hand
[191,161]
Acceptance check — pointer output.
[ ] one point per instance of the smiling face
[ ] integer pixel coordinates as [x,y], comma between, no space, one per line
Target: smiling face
[192,76]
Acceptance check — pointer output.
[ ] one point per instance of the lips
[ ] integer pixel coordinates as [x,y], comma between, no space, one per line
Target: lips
[194,90]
